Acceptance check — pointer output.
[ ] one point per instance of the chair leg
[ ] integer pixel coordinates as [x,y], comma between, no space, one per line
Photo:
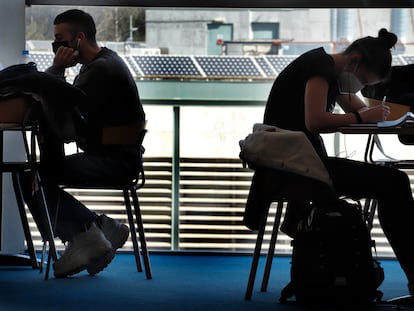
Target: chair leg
[53,226]
[43,256]
[370,207]
[46,218]
[23,218]
[132,229]
[255,259]
[141,233]
[272,245]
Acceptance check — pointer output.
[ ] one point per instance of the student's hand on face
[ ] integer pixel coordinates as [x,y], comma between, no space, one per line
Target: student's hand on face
[375,114]
[65,57]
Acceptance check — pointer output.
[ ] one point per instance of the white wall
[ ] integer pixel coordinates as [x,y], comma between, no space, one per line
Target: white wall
[12,30]
[12,41]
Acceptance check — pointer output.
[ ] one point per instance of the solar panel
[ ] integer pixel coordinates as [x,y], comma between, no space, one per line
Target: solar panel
[45,60]
[167,66]
[397,61]
[42,60]
[73,71]
[228,66]
[133,67]
[266,66]
[201,66]
[409,59]
[279,62]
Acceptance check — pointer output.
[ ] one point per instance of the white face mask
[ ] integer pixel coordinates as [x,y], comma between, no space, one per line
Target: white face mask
[348,83]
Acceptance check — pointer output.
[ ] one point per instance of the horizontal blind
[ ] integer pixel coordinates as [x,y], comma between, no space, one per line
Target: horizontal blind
[213,194]
[155,204]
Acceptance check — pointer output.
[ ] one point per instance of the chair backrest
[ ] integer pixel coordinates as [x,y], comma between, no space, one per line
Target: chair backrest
[129,134]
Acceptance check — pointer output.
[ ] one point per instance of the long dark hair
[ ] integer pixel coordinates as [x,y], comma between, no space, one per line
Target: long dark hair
[375,52]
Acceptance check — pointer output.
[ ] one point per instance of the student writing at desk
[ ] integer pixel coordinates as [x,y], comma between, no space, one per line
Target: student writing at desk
[303,97]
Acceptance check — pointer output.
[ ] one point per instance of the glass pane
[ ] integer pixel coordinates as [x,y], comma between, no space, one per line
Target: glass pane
[217,67]
[215,131]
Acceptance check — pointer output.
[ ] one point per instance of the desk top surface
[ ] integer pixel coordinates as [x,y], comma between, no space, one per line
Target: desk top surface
[374,129]
[11,126]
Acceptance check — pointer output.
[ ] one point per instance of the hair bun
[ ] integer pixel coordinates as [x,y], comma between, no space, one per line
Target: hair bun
[388,39]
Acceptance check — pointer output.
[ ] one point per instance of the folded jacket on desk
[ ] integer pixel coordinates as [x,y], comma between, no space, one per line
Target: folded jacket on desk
[58,99]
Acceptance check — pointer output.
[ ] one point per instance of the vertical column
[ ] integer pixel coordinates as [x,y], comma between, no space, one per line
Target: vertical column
[175,210]
[12,36]
[345,28]
[400,23]
[12,31]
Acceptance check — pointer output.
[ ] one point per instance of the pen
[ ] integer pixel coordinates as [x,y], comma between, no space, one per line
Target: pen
[383,103]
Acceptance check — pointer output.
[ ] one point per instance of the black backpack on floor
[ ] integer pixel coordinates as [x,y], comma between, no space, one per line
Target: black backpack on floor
[332,260]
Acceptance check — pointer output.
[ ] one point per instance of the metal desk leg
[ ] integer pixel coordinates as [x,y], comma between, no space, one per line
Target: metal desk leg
[368,149]
[20,203]
[14,259]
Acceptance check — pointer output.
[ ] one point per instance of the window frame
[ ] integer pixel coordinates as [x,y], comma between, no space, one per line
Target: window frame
[234,4]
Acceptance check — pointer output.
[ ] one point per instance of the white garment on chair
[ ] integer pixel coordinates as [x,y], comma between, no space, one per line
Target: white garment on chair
[291,151]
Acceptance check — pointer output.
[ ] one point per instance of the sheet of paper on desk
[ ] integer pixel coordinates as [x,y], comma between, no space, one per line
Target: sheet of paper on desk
[407,120]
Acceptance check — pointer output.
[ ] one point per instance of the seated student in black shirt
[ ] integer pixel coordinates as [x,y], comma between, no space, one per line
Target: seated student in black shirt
[303,97]
[111,100]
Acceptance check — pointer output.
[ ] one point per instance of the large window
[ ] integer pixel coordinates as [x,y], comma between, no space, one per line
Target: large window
[204,76]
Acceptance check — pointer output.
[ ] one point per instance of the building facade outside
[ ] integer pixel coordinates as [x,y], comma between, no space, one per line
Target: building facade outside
[203,31]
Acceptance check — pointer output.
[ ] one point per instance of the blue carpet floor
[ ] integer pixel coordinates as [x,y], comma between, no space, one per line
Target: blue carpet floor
[180,283]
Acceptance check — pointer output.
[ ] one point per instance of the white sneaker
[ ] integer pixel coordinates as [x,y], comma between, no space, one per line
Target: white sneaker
[85,247]
[117,234]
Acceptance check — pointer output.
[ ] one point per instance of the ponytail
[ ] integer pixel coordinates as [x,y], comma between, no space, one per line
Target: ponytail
[375,52]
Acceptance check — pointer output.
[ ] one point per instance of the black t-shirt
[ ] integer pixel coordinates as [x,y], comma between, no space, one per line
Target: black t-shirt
[285,106]
[112,95]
